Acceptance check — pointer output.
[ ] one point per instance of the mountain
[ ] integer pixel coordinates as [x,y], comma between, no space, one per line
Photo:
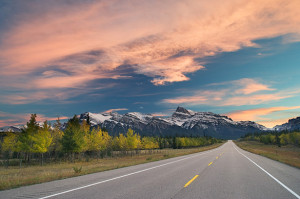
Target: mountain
[291,125]
[183,122]
[11,129]
[18,128]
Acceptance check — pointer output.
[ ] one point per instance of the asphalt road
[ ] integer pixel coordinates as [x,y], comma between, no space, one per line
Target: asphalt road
[225,172]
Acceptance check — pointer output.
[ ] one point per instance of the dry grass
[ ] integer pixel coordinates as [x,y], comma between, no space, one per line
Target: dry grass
[287,154]
[16,177]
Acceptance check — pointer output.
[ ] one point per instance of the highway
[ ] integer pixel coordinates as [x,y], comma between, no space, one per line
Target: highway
[224,172]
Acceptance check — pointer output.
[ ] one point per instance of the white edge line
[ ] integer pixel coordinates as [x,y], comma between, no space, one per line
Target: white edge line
[111,179]
[291,191]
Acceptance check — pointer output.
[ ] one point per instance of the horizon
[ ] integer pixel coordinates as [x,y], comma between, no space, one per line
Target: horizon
[239,59]
[65,119]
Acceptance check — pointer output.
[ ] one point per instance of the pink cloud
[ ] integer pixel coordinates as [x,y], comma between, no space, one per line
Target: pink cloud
[254,114]
[237,93]
[159,39]
[115,110]
[10,119]
[159,114]
[251,86]
[272,123]
[201,29]
[200,97]
[258,115]
[254,99]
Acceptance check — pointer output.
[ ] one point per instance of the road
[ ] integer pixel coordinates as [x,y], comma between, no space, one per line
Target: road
[224,172]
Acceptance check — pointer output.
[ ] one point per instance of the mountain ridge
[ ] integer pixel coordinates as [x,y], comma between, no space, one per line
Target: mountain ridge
[182,122]
[291,125]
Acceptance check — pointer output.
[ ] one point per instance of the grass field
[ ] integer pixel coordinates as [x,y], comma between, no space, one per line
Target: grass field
[15,176]
[287,154]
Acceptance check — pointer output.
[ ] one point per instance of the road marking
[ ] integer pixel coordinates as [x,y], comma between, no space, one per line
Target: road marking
[284,186]
[189,182]
[133,173]
[217,157]
[210,163]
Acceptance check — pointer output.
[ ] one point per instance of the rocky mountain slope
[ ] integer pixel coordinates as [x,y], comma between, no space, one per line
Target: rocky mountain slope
[183,122]
[291,125]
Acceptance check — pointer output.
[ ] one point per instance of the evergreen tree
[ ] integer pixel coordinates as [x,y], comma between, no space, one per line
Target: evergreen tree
[26,141]
[88,119]
[277,140]
[73,140]
[56,134]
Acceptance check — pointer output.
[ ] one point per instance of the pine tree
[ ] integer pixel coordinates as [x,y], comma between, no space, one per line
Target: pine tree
[26,142]
[277,140]
[88,119]
[56,134]
[73,140]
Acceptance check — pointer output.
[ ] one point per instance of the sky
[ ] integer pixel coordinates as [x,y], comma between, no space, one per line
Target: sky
[237,58]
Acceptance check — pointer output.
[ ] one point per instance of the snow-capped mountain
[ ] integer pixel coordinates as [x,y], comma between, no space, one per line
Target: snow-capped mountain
[183,122]
[18,128]
[291,125]
[12,129]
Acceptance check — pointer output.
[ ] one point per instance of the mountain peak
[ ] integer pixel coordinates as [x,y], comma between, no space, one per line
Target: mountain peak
[182,110]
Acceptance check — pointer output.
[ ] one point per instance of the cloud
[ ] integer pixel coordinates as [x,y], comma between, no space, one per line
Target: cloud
[236,93]
[272,123]
[159,39]
[255,114]
[38,96]
[261,115]
[159,114]
[115,110]
[251,86]
[10,119]
[200,97]
[255,99]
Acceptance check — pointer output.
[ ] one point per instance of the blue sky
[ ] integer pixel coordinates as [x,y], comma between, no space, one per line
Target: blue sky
[62,58]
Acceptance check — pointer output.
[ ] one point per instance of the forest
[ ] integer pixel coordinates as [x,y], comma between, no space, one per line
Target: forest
[78,140]
[275,138]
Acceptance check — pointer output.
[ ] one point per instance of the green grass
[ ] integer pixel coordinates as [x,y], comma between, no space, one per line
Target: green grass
[286,154]
[15,177]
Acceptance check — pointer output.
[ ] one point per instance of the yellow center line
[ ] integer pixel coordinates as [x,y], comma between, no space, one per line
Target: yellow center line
[210,163]
[189,182]
[217,157]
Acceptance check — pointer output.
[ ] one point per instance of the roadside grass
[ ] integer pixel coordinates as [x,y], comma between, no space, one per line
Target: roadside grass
[14,176]
[288,154]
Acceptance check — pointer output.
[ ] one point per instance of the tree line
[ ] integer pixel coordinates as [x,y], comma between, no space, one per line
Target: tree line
[275,138]
[78,138]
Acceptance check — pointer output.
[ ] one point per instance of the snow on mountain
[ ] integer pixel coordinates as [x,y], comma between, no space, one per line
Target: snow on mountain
[291,125]
[182,122]
[17,128]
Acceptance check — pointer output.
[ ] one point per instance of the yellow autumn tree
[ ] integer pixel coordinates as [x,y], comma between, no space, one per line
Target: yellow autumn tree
[133,140]
[98,141]
[149,143]
[42,140]
[10,142]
